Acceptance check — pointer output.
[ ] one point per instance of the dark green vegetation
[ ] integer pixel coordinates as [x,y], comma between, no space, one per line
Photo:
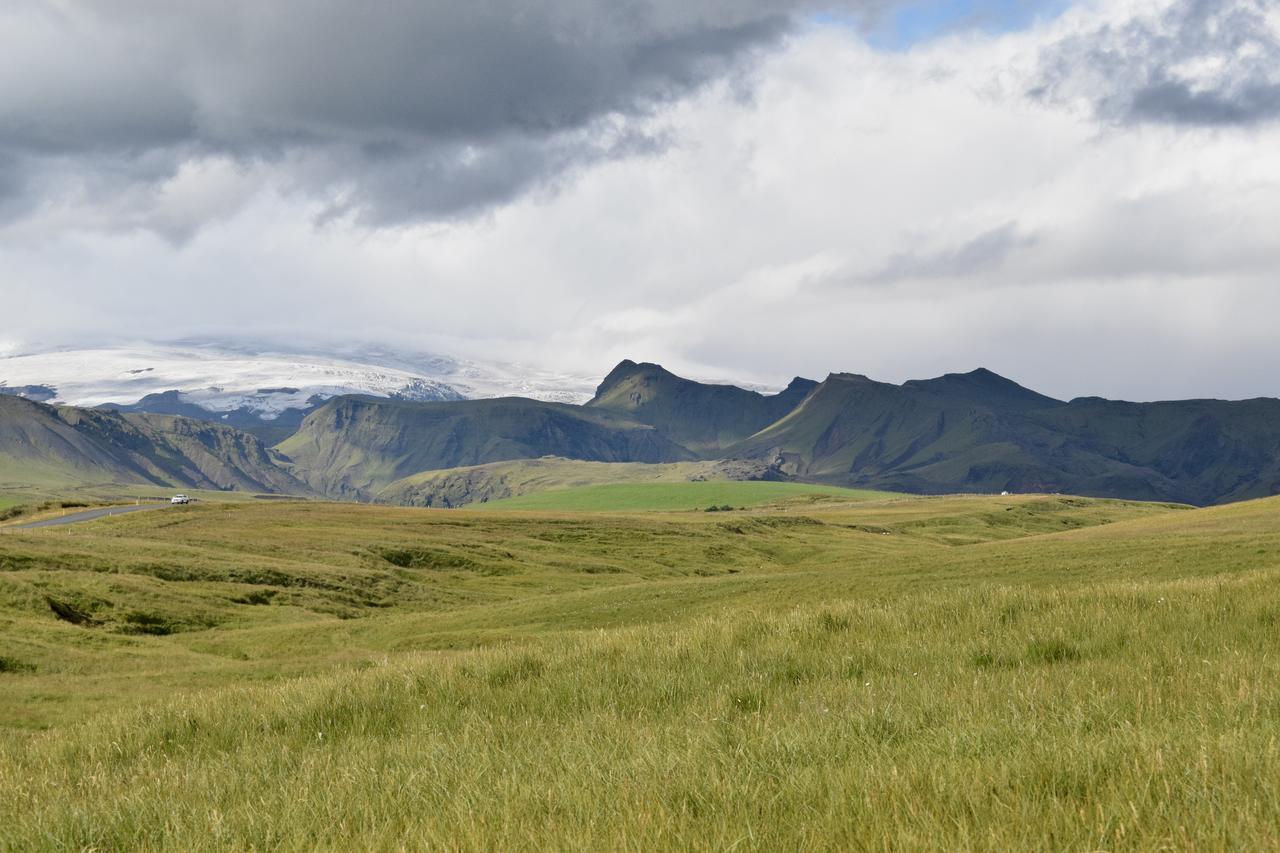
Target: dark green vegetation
[645,497]
[942,673]
[353,447]
[974,432]
[455,487]
[980,432]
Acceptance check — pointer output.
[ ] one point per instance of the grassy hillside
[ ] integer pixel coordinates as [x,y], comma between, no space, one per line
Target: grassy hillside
[256,589]
[455,487]
[641,497]
[980,432]
[1006,673]
[354,447]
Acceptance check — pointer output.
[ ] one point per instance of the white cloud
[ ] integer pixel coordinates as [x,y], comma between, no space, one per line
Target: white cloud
[899,215]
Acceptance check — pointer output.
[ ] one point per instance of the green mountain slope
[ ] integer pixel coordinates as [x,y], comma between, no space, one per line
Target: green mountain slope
[473,484]
[979,432]
[704,418]
[44,447]
[712,495]
[353,447]
[1211,451]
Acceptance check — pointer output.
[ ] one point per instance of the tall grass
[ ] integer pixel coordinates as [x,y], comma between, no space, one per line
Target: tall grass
[1110,688]
[1113,716]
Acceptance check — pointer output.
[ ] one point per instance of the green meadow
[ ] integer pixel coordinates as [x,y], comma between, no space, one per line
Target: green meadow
[643,497]
[1022,672]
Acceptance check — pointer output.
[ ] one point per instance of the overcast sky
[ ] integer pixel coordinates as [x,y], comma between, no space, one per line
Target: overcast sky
[1082,196]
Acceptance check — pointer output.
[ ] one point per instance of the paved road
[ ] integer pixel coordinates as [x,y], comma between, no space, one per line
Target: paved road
[87,515]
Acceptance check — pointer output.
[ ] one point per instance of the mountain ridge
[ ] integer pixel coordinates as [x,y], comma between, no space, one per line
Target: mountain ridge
[960,432]
[981,432]
[353,447]
[72,446]
[704,417]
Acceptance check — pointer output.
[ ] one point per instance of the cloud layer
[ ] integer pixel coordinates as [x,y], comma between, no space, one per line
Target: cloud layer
[396,111]
[727,189]
[1194,62]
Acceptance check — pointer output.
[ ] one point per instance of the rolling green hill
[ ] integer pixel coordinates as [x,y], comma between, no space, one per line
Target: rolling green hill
[353,447]
[644,497]
[937,673]
[702,417]
[455,487]
[46,449]
[258,589]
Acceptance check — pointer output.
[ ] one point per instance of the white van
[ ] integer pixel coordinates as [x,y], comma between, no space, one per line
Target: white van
[179,499]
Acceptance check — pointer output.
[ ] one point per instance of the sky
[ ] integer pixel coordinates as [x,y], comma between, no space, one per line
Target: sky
[1081,196]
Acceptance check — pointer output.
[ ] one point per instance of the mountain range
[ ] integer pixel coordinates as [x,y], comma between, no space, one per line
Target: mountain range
[970,432]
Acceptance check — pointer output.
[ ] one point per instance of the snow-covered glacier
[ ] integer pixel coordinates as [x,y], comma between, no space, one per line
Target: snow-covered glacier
[266,380]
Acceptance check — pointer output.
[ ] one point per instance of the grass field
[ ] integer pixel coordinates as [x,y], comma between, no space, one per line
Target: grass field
[642,497]
[942,673]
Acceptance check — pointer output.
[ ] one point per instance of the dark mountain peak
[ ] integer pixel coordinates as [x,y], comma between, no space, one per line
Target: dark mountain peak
[981,386]
[847,377]
[627,370]
[977,376]
[801,384]
[626,367]
[797,389]
[854,384]
[701,416]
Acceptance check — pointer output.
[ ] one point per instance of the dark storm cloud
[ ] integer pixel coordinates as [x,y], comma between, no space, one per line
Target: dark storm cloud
[1198,63]
[1176,102]
[395,110]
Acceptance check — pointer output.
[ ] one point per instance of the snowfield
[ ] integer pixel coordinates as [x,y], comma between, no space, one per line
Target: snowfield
[222,378]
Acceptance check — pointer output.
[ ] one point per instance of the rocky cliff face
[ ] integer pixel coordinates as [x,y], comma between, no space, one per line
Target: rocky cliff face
[41,444]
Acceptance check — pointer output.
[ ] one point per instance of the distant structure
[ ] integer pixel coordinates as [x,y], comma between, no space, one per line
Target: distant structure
[1004,494]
